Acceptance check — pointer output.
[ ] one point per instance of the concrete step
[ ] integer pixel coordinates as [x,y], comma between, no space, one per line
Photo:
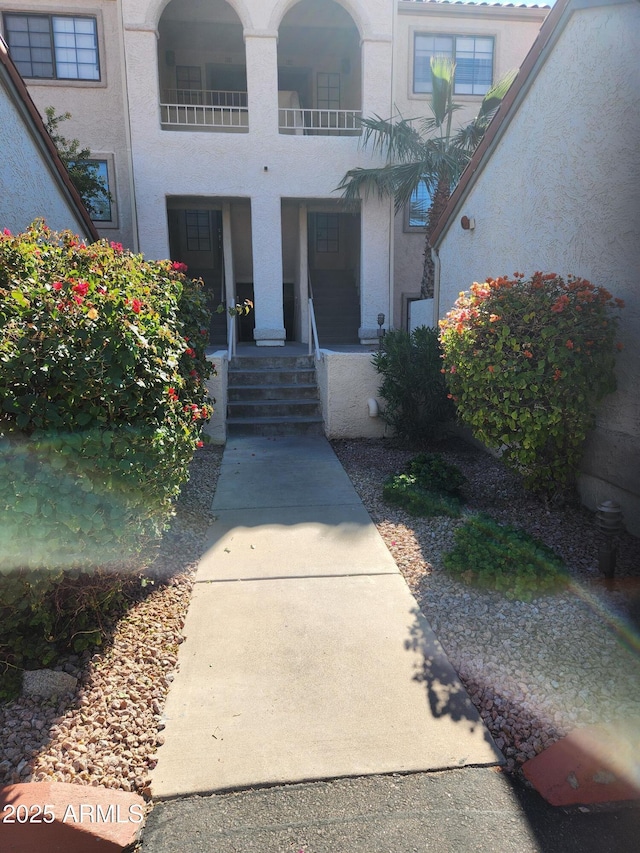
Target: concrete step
[294,391]
[273,408]
[273,395]
[275,426]
[265,376]
[270,362]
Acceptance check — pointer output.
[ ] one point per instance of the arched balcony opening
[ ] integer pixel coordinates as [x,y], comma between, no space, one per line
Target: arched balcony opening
[319,71]
[202,67]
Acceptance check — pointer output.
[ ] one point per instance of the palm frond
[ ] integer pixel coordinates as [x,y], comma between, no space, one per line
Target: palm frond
[443,71]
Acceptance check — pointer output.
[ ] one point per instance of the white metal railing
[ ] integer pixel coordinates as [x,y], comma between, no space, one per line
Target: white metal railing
[319,122]
[314,344]
[205,97]
[204,108]
[231,336]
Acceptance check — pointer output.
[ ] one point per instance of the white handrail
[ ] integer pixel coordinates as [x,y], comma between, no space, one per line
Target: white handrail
[231,336]
[313,331]
[321,122]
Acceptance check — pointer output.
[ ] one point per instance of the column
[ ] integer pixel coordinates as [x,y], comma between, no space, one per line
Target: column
[266,241]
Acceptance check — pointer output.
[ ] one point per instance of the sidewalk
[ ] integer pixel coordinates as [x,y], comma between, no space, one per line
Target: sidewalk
[306,657]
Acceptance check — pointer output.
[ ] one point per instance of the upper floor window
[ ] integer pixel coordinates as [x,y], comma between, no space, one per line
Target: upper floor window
[473,56]
[417,209]
[101,204]
[53,46]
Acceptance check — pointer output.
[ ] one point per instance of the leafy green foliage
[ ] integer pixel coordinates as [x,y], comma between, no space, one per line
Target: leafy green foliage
[527,363]
[102,390]
[430,486]
[413,386]
[434,473]
[82,171]
[503,558]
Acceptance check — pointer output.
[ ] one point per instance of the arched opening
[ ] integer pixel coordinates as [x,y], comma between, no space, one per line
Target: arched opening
[319,70]
[202,67]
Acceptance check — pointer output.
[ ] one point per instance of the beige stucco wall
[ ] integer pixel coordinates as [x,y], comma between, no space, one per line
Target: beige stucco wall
[29,187]
[97,107]
[346,382]
[216,429]
[514,30]
[560,193]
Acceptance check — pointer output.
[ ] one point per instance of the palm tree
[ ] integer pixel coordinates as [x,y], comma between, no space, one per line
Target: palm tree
[427,151]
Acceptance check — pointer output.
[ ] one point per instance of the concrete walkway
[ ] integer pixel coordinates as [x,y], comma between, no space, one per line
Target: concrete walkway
[306,657]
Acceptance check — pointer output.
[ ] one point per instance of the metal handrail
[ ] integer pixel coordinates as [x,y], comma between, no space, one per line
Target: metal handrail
[204,115]
[313,331]
[320,122]
[231,336]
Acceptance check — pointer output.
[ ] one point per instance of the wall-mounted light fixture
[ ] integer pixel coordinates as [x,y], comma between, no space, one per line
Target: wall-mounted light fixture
[468,224]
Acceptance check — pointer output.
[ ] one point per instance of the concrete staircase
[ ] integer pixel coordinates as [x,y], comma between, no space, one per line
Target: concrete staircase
[273,395]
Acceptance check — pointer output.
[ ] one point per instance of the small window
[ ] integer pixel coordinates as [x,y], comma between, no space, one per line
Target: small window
[417,208]
[101,206]
[328,91]
[327,232]
[473,56]
[189,84]
[198,230]
[53,46]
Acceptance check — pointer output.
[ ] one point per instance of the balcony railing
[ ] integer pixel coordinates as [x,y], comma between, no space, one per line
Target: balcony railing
[320,122]
[205,108]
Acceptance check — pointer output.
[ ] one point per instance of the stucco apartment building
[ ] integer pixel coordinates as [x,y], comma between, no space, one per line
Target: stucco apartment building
[223,127]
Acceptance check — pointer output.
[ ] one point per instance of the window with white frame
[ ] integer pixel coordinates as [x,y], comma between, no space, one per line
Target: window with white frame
[58,47]
[417,208]
[101,205]
[473,56]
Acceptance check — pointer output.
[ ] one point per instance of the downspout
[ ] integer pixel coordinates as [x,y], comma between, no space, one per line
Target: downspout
[436,286]
[392,212]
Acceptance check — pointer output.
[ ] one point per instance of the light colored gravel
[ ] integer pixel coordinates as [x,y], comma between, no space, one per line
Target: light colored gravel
[534,670]
[107,731]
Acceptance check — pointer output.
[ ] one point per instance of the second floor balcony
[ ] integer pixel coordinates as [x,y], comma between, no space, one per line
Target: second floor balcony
[203,74]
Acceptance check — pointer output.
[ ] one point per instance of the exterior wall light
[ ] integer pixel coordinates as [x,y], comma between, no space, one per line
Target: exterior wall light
[380,330]
[610,523]
[468,224]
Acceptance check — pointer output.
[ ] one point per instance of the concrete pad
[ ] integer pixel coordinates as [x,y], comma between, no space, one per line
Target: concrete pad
[596,764]
[283,471]
[62,818]
[312,678]
[293,542]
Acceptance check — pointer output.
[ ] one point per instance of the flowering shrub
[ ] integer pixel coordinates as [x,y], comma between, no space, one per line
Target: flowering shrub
[527,362]
[102,371]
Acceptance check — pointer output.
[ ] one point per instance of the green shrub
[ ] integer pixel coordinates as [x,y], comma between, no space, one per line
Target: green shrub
[413,386]
[435,474]
[403,490]
[102,372]
[527,363]
[503,558]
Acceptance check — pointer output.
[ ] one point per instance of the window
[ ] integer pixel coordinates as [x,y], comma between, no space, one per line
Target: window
[189,84]
[327,232]
[198,230]
[101,205]
[417,208]
[53,46]
[473,56]
[328,91]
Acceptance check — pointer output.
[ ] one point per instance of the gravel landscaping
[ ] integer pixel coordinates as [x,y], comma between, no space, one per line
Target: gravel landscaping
[534,670]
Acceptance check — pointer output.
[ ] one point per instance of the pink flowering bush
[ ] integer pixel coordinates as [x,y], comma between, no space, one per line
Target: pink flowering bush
[527,362]
[102,372]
